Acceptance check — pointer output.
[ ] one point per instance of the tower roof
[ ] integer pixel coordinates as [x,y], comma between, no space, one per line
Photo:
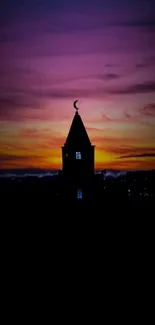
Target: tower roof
[77,135]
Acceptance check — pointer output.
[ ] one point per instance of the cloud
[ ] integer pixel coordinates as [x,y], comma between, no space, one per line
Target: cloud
[139,88]
[61,93]
[143,155]
[147,62]
[109,76]
[141,65]
[88,23]
[134,117]
[29,104]
[18,104]
[132,152]
[13,105]
[104,77]
[126,117]
[111,65]
[8,157]
[12,160]
[151,60]
[92,129]
[46,137]
[148,110]
[106,118]
[127,151]
[113,144]
[135,23]
[8,101]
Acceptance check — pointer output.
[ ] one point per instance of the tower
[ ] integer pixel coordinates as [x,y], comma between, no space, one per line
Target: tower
[78,152]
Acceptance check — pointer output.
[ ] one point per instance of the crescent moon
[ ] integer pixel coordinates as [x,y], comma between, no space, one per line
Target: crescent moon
[74,104]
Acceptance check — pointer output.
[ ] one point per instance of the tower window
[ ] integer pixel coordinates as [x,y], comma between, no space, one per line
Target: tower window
[79,194]
[78,155]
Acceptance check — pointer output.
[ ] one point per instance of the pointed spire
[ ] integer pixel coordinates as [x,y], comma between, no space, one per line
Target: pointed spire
[77,135]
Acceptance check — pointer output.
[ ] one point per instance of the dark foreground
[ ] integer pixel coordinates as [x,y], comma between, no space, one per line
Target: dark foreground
[45,215]
[104,197]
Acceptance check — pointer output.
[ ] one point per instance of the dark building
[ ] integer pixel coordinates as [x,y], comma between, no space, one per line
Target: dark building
[78,158]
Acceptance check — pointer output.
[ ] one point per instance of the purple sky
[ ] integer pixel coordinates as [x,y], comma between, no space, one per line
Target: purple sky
[100,52]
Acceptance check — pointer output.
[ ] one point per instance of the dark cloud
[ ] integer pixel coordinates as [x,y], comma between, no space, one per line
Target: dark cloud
[146,87]
[150,60]
[106,118]
[8,157]
[12,105]
[147,62]
[104,77]
[141,65]
[149,23]
[131,152]
[143,155]
[109,76]
[91,129]
[68,93]
[17,101]
[62,93]
[111,65]
[148,110]
[33,95]
[126,116]
[72,26]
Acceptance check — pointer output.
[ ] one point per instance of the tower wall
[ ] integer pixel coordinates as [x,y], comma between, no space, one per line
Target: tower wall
[78,168]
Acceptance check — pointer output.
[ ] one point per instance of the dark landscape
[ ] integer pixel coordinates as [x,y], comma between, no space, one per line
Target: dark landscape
[109,191]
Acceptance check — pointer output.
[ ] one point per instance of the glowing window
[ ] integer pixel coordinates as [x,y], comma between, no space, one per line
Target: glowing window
[79,194]
[78,155]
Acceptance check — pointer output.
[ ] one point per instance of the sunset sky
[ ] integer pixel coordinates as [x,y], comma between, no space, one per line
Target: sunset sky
[99,52]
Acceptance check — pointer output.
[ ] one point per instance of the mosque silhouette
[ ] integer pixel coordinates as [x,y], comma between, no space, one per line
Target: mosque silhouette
[78,161]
